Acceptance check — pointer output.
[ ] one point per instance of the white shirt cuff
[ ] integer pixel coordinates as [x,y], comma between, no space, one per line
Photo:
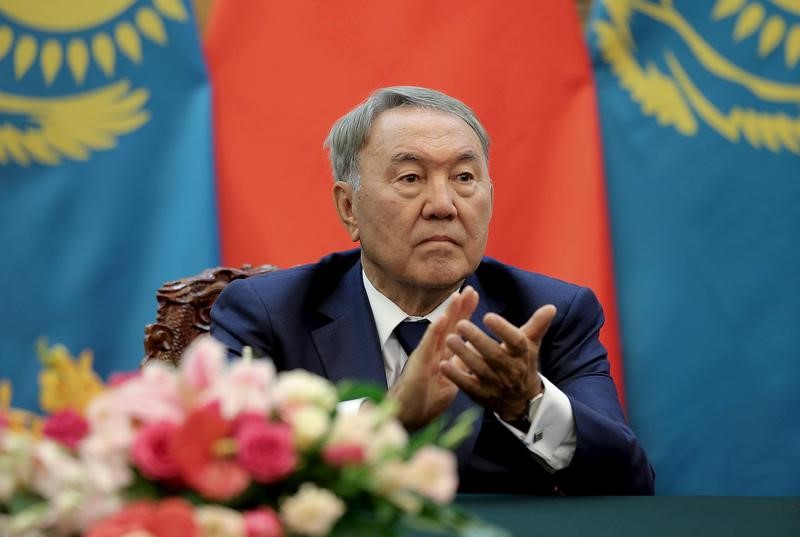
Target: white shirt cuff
[551,436]
[349,407]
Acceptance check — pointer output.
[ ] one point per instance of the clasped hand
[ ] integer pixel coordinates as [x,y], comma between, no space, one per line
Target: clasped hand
[454,353]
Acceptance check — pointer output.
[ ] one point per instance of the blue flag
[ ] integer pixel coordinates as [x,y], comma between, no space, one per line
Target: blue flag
[701,128]
[106,186]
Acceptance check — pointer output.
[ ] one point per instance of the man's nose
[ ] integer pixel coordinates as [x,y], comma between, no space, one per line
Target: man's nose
[439,199]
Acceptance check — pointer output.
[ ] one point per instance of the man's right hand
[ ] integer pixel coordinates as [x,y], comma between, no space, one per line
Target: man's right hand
[422,391]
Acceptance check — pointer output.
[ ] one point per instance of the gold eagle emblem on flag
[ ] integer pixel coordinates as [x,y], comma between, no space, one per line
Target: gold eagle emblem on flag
[46,39]
[766,114]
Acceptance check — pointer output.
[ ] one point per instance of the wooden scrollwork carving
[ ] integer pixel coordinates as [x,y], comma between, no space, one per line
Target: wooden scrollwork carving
[184,310]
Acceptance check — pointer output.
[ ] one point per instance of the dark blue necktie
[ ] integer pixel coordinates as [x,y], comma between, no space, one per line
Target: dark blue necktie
[409,334]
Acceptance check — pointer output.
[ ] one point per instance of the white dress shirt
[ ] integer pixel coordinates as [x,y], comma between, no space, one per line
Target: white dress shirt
[551,435]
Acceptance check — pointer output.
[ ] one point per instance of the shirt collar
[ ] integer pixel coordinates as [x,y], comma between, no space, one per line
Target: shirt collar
[388,315]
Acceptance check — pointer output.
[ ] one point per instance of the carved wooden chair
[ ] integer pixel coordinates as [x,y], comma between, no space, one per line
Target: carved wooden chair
[184,310]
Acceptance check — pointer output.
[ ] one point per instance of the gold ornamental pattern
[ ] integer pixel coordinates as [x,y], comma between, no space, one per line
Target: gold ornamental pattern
[58,38]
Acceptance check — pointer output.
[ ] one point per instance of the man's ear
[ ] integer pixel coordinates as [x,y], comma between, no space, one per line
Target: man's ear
[343,199]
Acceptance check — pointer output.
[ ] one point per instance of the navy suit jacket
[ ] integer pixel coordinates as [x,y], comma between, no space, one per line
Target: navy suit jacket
[317,317]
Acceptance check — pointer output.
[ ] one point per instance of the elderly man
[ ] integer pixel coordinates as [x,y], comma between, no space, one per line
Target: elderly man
[412,186]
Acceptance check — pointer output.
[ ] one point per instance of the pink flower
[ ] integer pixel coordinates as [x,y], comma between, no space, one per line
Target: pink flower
[152,450]
[432,472]
[266,450]
[344,454]
[205,453]
[263,522]
[172,517]
[245,387]
[117,379]
[66,427]
[203,363]
[149,397]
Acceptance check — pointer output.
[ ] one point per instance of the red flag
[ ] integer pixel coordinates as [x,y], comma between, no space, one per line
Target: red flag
[283,72]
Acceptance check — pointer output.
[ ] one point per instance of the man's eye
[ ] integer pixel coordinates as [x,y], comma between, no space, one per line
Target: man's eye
[465,177]
[410,178]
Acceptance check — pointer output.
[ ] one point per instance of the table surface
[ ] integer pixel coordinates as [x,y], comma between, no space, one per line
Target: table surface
[654,516]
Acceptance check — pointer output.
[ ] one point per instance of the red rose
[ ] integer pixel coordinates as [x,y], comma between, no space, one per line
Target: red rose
[152,451]
[266,450]
[66,427]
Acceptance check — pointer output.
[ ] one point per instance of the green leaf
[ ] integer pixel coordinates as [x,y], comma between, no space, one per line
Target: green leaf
[22,500]
[32,517]
[349,390]
[143,489]
[353,480]
[451,520]
[427,435]
[367,520]
[460,430]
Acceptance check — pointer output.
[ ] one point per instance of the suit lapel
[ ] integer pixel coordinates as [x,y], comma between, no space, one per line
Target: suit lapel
[348,345]
[487,303]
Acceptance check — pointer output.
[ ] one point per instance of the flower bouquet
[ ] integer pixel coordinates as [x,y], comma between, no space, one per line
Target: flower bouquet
[219,448]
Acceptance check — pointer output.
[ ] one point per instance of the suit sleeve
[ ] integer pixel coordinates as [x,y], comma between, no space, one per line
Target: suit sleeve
[608,458]
[239,315]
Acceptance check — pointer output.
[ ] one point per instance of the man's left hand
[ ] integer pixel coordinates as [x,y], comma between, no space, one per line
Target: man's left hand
[502,376]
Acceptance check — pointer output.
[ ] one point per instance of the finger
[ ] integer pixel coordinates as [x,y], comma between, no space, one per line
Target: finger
[459,363]
[453,312]
[489,349]
[460,307]
[469,302]
[515,339]
[469,356]
[432,339]
[536,327]
[466,382]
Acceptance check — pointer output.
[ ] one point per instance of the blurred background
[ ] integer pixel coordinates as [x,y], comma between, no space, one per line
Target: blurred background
[646,149]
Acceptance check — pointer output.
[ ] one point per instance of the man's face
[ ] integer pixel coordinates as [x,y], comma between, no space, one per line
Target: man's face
[423,208]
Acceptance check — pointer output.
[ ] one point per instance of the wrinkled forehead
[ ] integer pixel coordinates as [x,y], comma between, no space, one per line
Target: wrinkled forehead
[414,123]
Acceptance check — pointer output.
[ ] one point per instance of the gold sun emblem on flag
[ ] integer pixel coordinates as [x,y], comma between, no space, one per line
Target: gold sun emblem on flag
[57,37]
[766,114]
[775,30]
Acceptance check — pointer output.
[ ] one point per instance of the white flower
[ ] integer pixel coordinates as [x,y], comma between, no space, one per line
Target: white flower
[55,470]
[74,501]
[298,387]
[74,512]
[106,463]
[356,428]
[432,473]
[391,483]
[312,511]
[218,521]
[309,425]
[16,463]
[389,439]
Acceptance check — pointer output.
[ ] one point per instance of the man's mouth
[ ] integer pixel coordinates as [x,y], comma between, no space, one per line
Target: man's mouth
[440,238]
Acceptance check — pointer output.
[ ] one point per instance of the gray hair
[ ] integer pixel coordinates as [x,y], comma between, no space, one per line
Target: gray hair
[349,134]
